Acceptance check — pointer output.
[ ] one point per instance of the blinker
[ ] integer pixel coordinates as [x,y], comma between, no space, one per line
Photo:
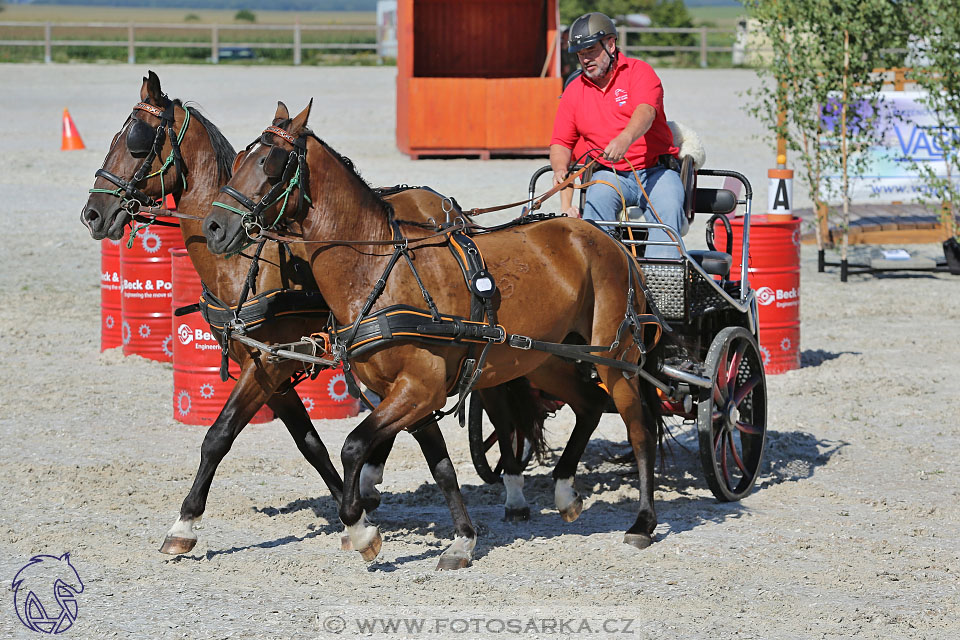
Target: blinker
[140,138]
[275,162]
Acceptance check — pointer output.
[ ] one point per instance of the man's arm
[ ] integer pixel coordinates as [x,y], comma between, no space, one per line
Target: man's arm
[640,123]
[560,161]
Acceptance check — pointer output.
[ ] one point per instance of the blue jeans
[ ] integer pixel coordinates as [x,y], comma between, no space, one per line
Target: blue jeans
[666,193]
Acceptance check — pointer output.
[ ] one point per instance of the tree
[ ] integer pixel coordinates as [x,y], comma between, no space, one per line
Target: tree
[245,15]
[939,79]
[821,94]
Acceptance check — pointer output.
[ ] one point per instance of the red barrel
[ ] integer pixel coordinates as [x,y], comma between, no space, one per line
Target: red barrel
[774,267]
[148,293]
[198,392]
[327,396]
[110,306]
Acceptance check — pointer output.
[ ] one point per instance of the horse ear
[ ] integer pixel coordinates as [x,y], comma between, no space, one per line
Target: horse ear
[300,122]
[151,88]
[238,160]
[281,114]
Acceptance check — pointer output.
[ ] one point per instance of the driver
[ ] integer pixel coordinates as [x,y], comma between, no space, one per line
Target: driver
[616,106]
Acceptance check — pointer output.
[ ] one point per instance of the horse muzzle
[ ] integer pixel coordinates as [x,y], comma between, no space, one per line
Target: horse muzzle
[103,223]
[224,233]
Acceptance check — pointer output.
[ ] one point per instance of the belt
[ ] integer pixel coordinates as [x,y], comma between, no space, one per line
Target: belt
[666,161]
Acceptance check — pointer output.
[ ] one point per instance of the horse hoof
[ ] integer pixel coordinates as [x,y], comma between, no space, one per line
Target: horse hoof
[638,540]
[373,549]
[345,544]
[452,562]
[516,515]
[572,512]
[174,545]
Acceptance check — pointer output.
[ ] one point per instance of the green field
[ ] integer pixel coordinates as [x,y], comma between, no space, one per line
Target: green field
[74,13]
[723,17]
[270,40]
[116,51]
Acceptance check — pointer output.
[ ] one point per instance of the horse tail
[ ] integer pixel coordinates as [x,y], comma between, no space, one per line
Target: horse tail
[650,396]
[529,410]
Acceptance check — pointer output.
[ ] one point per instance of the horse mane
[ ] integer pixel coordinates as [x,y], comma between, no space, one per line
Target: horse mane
[222,149]
[350,166]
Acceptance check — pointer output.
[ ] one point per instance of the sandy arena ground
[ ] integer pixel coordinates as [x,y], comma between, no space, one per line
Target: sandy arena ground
[852,531]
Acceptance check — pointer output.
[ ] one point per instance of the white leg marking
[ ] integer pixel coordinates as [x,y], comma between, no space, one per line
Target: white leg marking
[564,494]
[184,529]
[361,533]
[462,547]
[370,477]
[514,487]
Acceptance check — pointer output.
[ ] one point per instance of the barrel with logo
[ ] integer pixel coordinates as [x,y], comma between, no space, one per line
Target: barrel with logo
[327,396]
[110,305]
[198,392]
[148,292]
[774,267]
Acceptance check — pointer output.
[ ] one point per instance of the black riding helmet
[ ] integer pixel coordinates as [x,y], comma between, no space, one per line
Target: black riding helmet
[588,29]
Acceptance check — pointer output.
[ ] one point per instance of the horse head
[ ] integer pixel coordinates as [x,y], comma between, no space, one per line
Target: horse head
[145,162]
[269,183]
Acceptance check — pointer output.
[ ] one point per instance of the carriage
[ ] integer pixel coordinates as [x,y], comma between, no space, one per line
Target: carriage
[712,374]
[708,371]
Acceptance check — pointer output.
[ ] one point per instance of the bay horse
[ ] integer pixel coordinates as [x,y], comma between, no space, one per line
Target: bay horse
[206,159]
[202,163]
[560,280]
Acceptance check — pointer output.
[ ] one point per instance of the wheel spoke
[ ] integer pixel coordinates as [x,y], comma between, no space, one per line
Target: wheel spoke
[734,366]
[747,387]
[490,441]
[717,416]
[746,427]
[723,459]
[736,458]
[499,468]
[722,366]
[717,395]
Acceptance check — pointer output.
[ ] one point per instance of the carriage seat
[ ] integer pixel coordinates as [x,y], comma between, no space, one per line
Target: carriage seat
[716,263]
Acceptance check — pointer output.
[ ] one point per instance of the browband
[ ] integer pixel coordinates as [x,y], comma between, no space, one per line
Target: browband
[280,132]
[149,108]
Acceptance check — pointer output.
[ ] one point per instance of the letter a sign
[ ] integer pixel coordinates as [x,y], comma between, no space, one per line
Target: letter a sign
[780,194]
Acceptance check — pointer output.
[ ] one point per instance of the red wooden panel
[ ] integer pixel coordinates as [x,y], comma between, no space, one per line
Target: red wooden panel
[480,38]
[520,112]
[447,112]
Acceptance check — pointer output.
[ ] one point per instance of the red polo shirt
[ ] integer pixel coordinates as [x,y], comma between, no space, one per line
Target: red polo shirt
[589,117]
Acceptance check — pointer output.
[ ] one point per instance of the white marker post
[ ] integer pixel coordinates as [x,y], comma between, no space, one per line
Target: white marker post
[780,195]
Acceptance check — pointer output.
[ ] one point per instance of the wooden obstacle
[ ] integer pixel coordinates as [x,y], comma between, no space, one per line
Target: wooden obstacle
[877,223]
[477,77]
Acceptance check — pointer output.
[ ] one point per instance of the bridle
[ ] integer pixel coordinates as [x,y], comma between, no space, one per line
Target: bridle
[138,143]
[289,169]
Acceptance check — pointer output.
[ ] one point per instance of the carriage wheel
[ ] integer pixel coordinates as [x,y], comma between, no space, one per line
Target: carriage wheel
[732,416]
[484,448]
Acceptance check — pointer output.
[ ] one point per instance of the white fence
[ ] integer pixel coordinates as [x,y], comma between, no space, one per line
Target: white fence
[214,44]
[384,35]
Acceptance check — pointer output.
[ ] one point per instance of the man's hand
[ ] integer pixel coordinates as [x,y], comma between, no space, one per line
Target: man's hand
[617,147]
[572,211]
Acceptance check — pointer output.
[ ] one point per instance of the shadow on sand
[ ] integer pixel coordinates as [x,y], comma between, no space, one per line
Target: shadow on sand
[607,475]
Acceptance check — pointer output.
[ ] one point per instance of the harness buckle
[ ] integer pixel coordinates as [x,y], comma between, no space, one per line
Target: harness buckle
[521,342]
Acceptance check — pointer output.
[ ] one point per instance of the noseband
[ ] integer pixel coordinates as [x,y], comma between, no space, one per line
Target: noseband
[288,169]
[138,143]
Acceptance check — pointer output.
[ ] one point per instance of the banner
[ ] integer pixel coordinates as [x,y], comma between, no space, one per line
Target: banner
[909,137]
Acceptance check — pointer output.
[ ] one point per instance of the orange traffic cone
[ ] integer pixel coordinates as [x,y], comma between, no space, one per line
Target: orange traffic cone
[71,137]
